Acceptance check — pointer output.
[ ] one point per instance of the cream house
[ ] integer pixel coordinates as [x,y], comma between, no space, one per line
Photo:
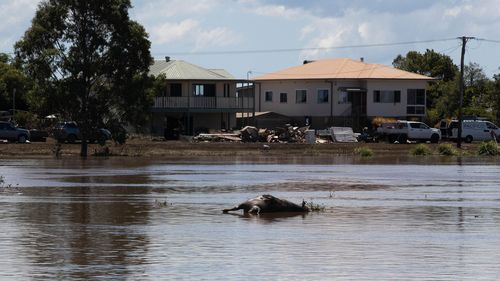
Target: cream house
[342,92]
[196,99]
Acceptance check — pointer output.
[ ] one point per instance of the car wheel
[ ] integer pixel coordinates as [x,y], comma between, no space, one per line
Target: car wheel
[71,138]
[22,139]
[469,139]
[402,138]
[435,138]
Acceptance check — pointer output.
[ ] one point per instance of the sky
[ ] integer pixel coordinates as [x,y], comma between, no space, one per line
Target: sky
[214,33]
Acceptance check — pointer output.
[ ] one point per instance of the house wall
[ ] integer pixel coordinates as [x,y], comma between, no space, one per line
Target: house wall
[314,109]
[390,109]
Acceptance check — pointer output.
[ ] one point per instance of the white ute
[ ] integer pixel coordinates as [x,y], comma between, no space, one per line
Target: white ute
[403,130]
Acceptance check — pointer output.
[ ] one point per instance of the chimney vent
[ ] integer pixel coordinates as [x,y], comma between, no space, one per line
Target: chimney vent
[167,58]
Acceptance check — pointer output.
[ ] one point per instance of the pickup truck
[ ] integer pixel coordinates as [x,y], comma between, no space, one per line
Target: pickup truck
[402,131]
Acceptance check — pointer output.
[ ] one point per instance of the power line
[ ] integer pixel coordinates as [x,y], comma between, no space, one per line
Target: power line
[234,52]
[488,40]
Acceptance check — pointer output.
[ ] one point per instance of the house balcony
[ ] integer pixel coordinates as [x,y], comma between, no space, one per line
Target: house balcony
[203,104]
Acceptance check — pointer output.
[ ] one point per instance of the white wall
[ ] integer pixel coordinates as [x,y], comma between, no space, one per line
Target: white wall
[315,109]
[390,109]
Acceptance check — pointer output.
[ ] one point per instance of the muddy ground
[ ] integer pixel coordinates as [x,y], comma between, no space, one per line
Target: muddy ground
[146,147]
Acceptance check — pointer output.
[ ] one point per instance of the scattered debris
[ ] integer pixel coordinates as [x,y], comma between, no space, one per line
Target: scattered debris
[286,134]
[160,204]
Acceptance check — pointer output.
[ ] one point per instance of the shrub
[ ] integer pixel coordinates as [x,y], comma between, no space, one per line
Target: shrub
[420,150]
[490,148]
[364,151]
[447,149]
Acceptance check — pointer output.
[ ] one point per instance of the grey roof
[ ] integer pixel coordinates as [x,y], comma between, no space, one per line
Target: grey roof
[181,70]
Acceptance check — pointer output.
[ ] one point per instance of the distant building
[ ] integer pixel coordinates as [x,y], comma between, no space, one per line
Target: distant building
[341,92]
[196,99]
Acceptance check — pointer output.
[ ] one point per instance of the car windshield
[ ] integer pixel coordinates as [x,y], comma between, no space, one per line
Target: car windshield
[491,126]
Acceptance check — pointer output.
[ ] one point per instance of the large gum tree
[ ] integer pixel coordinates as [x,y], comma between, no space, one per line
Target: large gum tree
[89,62]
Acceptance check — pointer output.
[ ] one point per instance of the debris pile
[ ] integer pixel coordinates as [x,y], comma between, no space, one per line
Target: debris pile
[286,134]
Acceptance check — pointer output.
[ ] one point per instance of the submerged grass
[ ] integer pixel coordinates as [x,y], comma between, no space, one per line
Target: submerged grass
[421,150]
[364,151]
[447,149]
[489,148]
[315,207]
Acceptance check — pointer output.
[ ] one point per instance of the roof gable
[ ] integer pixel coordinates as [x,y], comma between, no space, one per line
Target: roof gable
[341,69]
[181,70]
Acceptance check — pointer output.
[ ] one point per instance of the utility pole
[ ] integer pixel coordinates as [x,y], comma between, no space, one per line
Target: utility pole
[461,86]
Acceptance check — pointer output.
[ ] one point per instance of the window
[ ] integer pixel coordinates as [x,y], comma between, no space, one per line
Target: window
[226,90]
[301,96]
[415,101]
[386,96]
[204,90]
[176,90]
[322,96]
[345,97]
[415,110]
[199,90]
[416,97]
[269,96]
[491,126]
[419,126]
[283,98]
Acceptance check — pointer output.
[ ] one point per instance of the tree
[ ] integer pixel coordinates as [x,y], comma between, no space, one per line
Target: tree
[11,80]
[89,62]
[429,63]
[441,94]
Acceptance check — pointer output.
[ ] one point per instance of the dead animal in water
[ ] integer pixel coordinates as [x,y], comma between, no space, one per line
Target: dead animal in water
[268,204]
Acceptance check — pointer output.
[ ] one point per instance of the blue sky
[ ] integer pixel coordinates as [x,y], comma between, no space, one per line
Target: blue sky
[194,26]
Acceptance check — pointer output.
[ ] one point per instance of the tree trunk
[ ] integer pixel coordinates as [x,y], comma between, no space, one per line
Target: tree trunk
[83,148]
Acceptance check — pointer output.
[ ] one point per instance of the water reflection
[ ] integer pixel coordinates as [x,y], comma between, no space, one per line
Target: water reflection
[107,221]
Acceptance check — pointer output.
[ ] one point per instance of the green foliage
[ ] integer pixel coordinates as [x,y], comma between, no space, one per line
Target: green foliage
[429,63]
[447,149]
[26,119]
[12,79]
[420,150]
[364,151]
[489,148]
[90,62]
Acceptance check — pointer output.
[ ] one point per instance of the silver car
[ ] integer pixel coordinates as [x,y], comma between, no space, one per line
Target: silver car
[12,133]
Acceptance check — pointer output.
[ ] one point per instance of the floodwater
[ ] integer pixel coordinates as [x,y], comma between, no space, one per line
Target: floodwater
[130,219]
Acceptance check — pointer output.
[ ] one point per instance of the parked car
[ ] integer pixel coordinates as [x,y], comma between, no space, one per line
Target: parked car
[70,132]
[38,135]
[472,129]
[12,133]
[403,130]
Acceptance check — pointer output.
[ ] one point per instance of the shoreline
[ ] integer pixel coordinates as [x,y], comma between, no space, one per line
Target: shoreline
[142,148]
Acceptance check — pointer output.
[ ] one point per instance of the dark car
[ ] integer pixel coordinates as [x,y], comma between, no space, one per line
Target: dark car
[70,132]
[10,132]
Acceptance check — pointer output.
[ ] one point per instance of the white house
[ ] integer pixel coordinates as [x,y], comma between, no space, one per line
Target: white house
[195,98]
[342,92]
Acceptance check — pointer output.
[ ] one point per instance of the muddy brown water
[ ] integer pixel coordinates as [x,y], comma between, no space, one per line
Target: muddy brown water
[136,219]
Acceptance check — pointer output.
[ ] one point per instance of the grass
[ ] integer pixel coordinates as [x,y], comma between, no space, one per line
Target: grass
[489,148]
[446,149]
[420,150]
[315,207]
[364,151]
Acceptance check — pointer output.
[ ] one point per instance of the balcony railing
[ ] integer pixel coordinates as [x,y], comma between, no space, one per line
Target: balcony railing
[203,103]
